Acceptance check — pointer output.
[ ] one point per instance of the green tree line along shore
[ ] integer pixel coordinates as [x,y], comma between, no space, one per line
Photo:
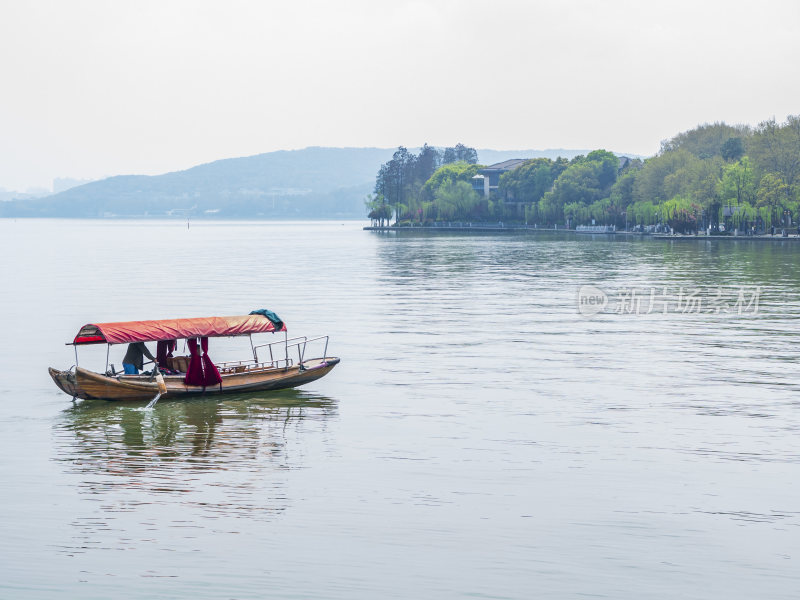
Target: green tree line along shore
[715,176]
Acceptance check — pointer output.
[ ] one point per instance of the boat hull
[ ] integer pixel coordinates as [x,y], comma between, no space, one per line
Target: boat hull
[85,384]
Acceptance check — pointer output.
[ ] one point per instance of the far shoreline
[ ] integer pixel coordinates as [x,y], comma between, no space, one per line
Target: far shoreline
[524,229]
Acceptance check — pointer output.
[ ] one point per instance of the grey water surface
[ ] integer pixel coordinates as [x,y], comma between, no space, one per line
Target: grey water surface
[481,438]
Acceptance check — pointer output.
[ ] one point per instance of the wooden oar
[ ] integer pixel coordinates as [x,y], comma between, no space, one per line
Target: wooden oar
[162,386]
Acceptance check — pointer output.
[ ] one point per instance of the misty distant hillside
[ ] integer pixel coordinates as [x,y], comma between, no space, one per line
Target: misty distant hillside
[308,183]
[323,182]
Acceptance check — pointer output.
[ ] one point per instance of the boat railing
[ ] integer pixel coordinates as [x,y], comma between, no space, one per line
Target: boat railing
[319,338]
[240,366]
[299,343]
[287,362]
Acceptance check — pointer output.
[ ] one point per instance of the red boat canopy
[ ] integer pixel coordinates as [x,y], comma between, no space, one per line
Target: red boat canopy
[172,329]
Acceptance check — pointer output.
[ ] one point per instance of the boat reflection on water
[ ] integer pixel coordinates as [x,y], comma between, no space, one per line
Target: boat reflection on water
[229,457]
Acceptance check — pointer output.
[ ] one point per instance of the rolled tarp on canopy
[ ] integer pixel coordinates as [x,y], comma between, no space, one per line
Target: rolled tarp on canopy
[171,329]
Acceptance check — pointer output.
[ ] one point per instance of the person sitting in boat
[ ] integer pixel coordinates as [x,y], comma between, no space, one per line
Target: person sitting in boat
[134,361]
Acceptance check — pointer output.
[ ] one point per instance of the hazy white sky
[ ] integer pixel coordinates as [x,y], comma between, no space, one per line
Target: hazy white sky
[96,88]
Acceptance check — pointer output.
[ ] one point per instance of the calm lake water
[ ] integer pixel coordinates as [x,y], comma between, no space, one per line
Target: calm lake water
[480,439]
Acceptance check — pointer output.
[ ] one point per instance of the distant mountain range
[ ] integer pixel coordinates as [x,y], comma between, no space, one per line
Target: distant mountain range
[309,183]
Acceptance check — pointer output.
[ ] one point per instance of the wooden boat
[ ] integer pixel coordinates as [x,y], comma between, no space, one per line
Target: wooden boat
[227,377]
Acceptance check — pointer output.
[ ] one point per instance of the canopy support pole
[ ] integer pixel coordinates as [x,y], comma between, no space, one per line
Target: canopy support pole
[76,354]
[286,348]
[108,350]
[255,354]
